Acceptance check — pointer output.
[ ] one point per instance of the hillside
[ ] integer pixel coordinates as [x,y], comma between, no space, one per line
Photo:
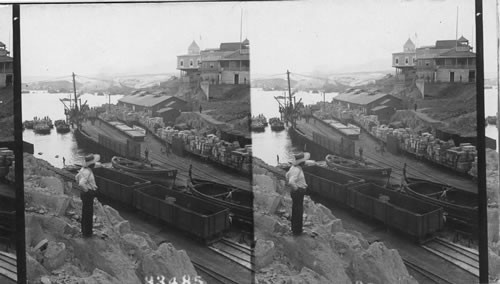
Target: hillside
[453,104]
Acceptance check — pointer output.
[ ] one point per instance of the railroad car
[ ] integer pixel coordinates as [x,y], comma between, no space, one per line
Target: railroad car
[117,185]
[407,214]
[196,216]
[329,183]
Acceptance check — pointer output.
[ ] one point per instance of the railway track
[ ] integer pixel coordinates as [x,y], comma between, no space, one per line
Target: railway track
[431,276]
[180,164]
[235,252]
[215,276]
[463,257]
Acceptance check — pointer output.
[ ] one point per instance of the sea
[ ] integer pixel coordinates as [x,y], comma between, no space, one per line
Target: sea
[270,146]
[54,146]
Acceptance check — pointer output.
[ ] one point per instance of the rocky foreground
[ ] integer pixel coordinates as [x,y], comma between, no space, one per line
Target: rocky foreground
[325,253]
[56,252]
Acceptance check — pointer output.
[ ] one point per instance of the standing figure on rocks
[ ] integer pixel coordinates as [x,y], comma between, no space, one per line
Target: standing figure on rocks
[201,108]
[360,150]
[296,182]
[86,181]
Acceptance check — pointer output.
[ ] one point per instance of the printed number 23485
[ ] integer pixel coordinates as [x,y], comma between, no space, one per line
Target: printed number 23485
[186,279]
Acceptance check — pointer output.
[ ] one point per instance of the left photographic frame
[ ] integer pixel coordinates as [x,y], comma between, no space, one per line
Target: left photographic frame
[12,268]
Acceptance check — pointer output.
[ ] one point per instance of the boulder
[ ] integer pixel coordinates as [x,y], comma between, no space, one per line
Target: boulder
[167,261]
[265,182]
[264,223]
[304,251]
[133,242]
[264,253]
[123,228]
[54,184]
[493,264]
[100,277]
[308,276]
[379,265]
[55,255]
[34,270]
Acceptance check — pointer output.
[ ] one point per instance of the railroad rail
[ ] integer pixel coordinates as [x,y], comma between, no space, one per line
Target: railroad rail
[235,252]
[214,275]
[433,277]
[8,268]
[463,257]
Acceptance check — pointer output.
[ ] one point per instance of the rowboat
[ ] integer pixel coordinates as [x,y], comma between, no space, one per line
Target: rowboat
[62,126]
[148,172]
[237,200]
[42,128]
[368,172]
[459,204]
[276,124]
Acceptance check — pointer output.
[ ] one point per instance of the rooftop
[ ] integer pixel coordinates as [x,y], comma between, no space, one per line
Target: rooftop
[236,56]
[144,98]
[360,97]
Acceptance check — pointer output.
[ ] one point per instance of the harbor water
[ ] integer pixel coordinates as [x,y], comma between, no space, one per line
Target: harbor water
[54,146]
[267,145]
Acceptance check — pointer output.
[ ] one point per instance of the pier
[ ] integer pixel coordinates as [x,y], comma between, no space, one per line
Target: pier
[372,154]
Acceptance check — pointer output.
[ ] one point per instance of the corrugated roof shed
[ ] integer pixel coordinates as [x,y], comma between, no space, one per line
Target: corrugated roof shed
[165,109]
[362,98]
[142,99]
[380,108]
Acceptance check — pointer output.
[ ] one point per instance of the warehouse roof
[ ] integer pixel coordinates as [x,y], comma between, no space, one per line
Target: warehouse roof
[144,99]
[361,97]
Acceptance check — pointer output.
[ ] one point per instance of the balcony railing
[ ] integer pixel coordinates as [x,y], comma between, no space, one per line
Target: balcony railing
[242,68]
[457,66]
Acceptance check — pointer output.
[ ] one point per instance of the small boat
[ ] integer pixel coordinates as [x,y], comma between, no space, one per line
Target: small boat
[28,124]
[368,172]
[276,124]
[145,171]
[42,128]
[257,126]
[62,126]
[459,204]
[237,200]
[100,94]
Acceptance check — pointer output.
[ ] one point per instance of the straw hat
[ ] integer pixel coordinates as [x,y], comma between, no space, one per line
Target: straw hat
[301,157]
[91,159]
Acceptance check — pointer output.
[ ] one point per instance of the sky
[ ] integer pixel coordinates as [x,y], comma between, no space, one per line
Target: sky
[343,35]
[120,38]
[6,26]
[302,36]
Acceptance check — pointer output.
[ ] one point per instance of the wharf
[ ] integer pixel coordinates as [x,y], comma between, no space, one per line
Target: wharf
[415,168]
[104,129]
[371,153]
[200,169]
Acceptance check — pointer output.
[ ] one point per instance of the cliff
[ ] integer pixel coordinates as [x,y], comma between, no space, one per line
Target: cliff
[56,252]
[325,253]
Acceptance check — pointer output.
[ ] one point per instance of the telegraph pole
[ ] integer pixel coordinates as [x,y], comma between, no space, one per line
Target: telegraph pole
[289,89]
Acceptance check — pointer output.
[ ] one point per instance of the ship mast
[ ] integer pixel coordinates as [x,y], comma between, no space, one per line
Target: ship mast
[74,92]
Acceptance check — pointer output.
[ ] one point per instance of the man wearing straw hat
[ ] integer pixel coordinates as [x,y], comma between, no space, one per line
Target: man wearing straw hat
[297,184]
[86,181]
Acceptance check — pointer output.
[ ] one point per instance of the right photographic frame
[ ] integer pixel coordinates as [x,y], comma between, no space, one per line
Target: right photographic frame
[370,163]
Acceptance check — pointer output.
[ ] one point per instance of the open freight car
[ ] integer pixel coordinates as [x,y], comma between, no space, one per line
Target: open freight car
[196,216]
[407,214]
[118,186]
[330,183]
